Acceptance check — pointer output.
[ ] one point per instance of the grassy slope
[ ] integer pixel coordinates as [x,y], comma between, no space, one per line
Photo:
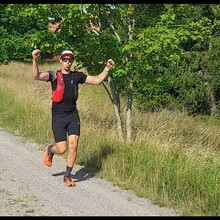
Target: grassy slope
[174,159]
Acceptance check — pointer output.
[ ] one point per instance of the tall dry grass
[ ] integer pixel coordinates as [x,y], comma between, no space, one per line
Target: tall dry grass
[173,159]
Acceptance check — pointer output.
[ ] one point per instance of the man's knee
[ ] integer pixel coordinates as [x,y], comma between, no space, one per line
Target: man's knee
[61,147]
[73,142]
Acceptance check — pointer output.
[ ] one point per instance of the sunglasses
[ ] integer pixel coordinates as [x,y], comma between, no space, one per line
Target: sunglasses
[67,59]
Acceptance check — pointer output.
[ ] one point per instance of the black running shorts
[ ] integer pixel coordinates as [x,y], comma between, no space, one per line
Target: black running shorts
[65,124]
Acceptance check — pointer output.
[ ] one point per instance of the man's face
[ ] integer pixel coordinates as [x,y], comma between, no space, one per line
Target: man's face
[66,62]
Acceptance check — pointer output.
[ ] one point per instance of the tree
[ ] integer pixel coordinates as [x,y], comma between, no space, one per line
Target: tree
[153,45]
[21,28]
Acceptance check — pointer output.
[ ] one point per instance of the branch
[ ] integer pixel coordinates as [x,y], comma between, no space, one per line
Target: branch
[95,29]
[107,92]
[116,34]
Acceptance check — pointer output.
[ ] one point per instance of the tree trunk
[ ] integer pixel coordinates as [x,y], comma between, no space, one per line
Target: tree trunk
[116,104]
[130,85]
[212,100]
[115,99]
[129,113]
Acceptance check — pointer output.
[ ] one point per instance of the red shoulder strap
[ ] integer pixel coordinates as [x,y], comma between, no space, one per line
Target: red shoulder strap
[57,94]
[60,81]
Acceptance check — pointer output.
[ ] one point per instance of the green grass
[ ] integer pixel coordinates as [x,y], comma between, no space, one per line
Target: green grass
[173,159]
[169,178]
[24,117]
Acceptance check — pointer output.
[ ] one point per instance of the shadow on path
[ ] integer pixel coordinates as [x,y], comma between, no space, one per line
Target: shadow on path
[80,175]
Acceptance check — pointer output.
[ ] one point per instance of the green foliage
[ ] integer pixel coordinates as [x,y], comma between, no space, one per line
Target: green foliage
[165,79]
[213,68]
[19,23]
[158,40]
[190,93]
[5,44]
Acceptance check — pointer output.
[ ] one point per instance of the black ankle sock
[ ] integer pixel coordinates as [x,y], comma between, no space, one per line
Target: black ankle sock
[68,171]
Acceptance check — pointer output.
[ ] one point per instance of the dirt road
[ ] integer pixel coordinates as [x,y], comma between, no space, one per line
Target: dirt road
[28,188]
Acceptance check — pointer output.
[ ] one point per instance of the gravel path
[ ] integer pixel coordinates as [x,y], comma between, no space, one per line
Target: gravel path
[28,188]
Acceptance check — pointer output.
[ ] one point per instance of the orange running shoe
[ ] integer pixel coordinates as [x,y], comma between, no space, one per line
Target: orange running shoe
[48,156]
[68,181]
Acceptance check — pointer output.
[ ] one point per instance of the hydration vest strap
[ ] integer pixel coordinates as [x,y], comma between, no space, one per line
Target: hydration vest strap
[57,94]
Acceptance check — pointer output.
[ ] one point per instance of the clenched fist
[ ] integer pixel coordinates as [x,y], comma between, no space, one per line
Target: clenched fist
[35,53]
[110,63]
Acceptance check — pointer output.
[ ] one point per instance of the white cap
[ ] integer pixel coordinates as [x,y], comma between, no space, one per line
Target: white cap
[67,53]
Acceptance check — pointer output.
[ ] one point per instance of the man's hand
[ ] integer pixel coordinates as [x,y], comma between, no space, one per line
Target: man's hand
[110,63]
[35,54]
